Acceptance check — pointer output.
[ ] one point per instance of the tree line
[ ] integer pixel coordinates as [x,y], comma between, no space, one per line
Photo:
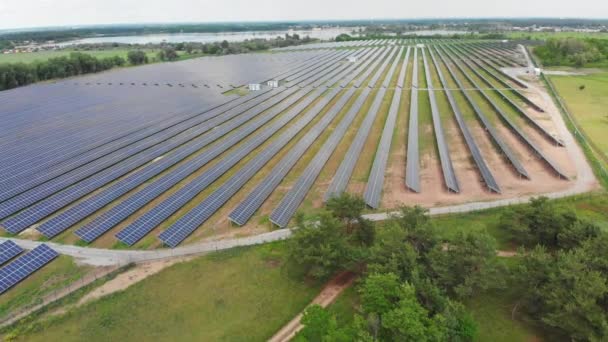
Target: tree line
[413,282]
[577,52]
[14,75]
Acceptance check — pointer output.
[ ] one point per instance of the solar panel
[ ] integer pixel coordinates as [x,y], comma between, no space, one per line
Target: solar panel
[188,223]
[256,198]
[283,213]
[523,97]
[486,174]
[8,250]
[511,157]
[504,117]
[24,266]
[444,153]
[412,168]
[42,209]
[118,213]
[222,126]
[373,188]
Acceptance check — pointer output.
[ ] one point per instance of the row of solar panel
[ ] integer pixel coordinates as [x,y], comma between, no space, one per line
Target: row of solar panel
[62,221]
[23,266]
[195,217]
[153,128]
[146,223]
[503,116]
[59,199]
[171,237]
[94,133]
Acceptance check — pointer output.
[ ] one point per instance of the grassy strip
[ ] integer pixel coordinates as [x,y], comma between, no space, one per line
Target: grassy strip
[242,294]
[33,321]
[584,142]
[53,277]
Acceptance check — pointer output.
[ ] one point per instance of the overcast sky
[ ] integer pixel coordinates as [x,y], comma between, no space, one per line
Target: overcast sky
[33,13]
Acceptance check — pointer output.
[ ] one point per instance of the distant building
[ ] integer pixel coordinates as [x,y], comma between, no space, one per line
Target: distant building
[537,71]
[273,84]
[254,86]
[352,59]
[420,45]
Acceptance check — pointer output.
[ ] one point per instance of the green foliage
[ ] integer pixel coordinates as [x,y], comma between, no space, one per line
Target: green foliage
[168,54]
[409,321]
[20,74]
[137,57]
[319,249]
[338,241]
[573,52]
[348,209]
[568,290]
[542,222]
[379,293]
[466,265]
[343,37]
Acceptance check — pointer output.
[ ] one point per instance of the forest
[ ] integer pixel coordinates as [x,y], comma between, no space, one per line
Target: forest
[413,283]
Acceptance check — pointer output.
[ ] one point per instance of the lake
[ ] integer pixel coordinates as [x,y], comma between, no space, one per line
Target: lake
[325,34]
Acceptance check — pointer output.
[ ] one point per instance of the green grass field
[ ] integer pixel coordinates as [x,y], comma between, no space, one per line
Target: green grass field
[237,295]
[589,106]
[548,35]
[44,55]
[54,276]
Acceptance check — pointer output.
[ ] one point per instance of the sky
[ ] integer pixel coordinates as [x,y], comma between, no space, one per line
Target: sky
[42,13]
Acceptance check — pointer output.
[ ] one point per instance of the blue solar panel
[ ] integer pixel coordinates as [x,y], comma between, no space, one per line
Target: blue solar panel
[25,265]
[8,250]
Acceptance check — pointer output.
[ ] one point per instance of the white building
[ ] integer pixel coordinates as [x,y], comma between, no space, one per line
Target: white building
[352,59]
[254,86]
[273,83]
[537,71]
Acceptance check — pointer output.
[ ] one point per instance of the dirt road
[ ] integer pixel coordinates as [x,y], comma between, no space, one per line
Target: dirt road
[328,295]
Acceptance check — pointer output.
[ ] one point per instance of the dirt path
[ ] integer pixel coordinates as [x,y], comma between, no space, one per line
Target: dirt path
[128,278]
[328,295]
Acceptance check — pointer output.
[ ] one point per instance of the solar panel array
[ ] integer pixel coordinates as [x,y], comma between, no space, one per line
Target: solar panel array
[181,229]
[283,213]
[23,266]
[449,175]
[161,147]
[243,212]
[375,181]
[511,157]
[486,174]
[412,168]
[8,250]
[514,128]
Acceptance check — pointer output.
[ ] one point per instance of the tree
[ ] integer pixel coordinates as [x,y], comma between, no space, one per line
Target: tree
[318,323]
[319,249]
[167,54]
[137,57]
[568,290]
[343,37]
[225,44]
[409,321]
[466,264]
[543,223]
[349,209]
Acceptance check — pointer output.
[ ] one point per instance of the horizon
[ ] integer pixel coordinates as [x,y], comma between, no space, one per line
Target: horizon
[16,15]
[294,22]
